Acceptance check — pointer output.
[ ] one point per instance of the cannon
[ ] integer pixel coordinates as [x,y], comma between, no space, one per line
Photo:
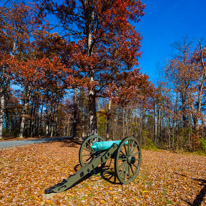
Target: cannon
[95,152]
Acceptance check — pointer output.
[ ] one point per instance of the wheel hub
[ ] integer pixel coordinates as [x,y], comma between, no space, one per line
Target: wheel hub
[131,160]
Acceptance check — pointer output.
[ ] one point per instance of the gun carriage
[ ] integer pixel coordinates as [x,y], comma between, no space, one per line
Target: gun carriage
[95,152]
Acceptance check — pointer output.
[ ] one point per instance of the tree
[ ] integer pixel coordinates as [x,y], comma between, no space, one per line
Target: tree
[27,56]
[198,59]
[186,72]
[181,72]
[105,43]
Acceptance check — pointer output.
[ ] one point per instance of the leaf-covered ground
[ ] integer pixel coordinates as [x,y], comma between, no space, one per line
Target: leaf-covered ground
[165,178]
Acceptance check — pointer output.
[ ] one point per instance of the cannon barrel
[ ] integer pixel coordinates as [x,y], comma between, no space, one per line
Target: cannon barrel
[104,145]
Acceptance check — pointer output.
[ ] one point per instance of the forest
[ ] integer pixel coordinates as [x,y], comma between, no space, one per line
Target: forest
[71,69]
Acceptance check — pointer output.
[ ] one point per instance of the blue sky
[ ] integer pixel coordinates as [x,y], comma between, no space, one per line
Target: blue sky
[165,22]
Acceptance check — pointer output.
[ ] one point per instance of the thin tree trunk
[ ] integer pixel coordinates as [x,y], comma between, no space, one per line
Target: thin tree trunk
[2,100]
[184,117]
[127,122]
[83,125]
[40,120]
[140,127]
[108,118]
[123,123]
[114,128]
[155,122]
[47,120]
[3,88]
[159,124]
[23,119]
[75,114]
[24,111]
[169,133]
[202,81]
[92,113]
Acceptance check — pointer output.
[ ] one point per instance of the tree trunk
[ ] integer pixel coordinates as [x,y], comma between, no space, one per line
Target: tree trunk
[140,126]
[115,124]
[23,119]
[155,122]
[4,85]
[92,92]
[159,124]
[92,113]
[24,111]
[202,81]
[123,123]
[41,121]
[48,117]
[127,122]
[2,100]
[184,116]
[83,126]
[75,114]
[108,118]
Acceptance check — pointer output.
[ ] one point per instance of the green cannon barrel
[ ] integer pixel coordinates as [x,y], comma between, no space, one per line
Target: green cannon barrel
[105,145]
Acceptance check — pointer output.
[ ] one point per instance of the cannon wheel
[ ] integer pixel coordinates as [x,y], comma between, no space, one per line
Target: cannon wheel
[127,160]
[86,153]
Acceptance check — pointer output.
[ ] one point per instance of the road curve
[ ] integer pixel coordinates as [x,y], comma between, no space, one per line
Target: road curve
[7,144]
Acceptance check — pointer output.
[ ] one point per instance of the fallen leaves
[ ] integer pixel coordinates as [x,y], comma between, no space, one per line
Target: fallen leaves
[165,179]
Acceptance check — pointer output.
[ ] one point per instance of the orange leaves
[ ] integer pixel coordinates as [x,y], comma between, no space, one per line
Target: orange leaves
[165,178]
[102,40]
[131,87]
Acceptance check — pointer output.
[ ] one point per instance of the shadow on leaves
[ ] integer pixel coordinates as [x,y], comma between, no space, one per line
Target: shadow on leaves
[199,197]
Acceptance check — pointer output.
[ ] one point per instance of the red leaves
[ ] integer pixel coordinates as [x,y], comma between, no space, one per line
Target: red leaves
[131,87]
[103,43]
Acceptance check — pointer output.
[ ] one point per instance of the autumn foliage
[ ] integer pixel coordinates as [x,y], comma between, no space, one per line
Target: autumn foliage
[71,69]
[97,52]
[165,178]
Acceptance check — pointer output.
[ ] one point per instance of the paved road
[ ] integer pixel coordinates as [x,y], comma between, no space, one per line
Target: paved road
[7,144]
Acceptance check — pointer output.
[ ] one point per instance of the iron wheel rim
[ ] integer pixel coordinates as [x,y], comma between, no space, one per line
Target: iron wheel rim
[128,160]
[86,153]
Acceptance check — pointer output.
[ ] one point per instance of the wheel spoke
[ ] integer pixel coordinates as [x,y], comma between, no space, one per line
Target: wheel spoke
[121,165]
[90,147]
[129,171]
[125,174]
[131,148]
[88,159]
[123,169]
[132,169]
[123,158]
[136,153]
[122,153]
[125,149]
[86,149]
[85,155]
[110,177]
[138,163]
[134,165]
[115,178]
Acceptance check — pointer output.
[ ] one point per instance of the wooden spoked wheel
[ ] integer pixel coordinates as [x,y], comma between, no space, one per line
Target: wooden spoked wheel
[127,160]
[86,153]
